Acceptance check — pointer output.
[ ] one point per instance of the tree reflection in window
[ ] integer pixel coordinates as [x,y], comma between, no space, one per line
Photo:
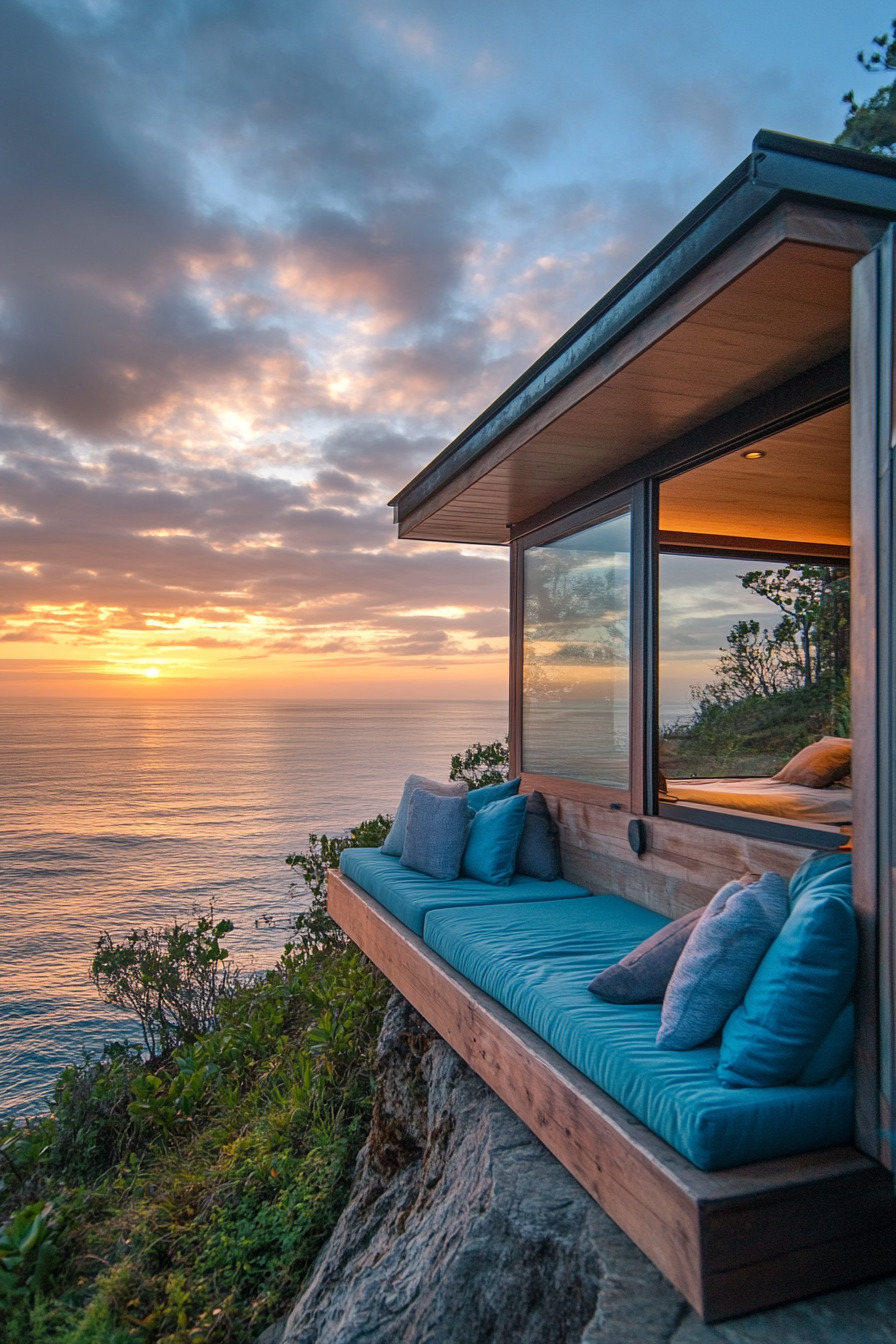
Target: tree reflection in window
[576,653]
[775,688]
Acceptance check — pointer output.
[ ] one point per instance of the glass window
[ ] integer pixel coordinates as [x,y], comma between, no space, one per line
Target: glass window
[754,665]
[576,655]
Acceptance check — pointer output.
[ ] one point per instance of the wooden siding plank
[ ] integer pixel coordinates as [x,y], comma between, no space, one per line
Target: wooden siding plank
[683,866]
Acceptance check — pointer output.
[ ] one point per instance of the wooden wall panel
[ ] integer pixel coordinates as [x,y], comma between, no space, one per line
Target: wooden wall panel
[682,868]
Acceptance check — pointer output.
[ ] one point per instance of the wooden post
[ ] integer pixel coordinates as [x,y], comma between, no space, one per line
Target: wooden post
[873,661]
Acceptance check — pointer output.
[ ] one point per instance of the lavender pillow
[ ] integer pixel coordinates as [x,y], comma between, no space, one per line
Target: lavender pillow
[719,960]
[643,975]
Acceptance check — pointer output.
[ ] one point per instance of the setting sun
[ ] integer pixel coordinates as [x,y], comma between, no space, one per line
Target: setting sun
[151,672]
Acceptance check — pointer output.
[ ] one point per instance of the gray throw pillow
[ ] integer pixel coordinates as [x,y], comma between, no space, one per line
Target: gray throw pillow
[436,835]
[394,841]
[642,976]
[538,854]
[719,960]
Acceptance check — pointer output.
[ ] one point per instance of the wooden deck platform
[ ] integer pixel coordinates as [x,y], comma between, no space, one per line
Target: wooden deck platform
[730,1241]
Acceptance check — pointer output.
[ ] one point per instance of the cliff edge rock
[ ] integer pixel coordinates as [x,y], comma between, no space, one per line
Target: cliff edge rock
[463,1229]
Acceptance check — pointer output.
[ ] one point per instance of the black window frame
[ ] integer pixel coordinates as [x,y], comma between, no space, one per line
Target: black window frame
[642,798]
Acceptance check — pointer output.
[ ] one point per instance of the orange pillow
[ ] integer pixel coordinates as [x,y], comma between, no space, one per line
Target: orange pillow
[820,764]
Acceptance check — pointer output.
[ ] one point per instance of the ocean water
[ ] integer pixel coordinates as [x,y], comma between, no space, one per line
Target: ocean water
[115,814]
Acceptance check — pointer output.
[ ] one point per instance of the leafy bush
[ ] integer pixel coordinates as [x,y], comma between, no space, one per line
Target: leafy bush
[754,736]
[315,931]
[27,1253]
[481,765]
[172,979]
[184,1197]
[93,1126]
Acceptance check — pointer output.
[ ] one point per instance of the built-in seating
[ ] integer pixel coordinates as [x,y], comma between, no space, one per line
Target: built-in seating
[538,962]
[535,947]
[410,896]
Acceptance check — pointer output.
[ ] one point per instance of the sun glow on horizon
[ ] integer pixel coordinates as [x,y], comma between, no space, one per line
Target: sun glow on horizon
[151,672]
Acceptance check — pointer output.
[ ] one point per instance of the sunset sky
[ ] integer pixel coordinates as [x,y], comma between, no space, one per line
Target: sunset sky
[262,259]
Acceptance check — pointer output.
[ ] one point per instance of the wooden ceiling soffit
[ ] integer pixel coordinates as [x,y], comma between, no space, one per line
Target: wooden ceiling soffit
[751,548]
[731,329]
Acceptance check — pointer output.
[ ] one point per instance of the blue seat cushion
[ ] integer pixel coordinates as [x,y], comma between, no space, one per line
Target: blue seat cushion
[538,959]
[409,896]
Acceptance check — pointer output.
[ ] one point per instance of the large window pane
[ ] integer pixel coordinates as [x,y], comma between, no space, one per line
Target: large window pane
[576,655]
[754,664]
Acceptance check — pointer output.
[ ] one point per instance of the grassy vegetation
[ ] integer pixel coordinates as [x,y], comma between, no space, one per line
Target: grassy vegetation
[183,1196]
[756,735]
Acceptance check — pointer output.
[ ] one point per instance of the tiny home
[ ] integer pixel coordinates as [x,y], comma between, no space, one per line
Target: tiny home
[708,449]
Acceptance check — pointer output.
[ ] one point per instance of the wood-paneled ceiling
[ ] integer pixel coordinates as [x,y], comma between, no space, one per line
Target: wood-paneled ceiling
[753,320]
[797,492]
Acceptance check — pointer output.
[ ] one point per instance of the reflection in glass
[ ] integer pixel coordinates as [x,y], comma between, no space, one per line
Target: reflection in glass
[754,664]
[576,655]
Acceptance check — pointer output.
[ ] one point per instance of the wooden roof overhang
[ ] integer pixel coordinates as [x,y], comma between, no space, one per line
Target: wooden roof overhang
[736,326]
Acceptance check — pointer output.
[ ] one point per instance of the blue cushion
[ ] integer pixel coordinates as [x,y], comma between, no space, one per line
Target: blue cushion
[490,855]
[825,871]
[394,841]
[539,850]
[803,983]
[492,793]
[835,1053]
[715,969]
[537,960]
[436,835]
[409,896]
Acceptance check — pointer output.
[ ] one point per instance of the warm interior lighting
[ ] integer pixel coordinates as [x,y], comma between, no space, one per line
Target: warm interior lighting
[753,454]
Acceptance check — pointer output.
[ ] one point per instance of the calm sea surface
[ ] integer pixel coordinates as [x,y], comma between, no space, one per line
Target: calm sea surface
[115,814]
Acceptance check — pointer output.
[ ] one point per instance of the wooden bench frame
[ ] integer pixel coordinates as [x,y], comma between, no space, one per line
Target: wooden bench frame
[730,1241]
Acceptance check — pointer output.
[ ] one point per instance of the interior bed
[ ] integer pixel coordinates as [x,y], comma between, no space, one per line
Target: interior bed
[769,797]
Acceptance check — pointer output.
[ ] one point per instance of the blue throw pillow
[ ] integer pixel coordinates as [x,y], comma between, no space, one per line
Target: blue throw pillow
[824,871]
[802,985]
[492,793]
[490,855]
[435,835]
[715,969]
[539,851]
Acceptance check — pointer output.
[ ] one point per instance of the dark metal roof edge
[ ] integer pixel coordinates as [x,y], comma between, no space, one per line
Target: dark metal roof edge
[840,155]
[770,188]
[607,301]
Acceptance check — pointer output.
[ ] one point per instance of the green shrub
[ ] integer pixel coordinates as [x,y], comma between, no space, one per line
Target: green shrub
[184,1196]
[315,932]
[482,764]
[27,1252]
[171,979]
[93,1127]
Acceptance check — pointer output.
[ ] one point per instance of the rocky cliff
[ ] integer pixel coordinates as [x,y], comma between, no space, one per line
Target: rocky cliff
[463,1229]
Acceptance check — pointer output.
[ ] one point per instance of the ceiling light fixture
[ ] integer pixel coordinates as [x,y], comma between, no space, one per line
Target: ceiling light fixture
[753,454]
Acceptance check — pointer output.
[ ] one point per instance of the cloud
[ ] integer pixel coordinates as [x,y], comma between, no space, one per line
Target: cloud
[259,262]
